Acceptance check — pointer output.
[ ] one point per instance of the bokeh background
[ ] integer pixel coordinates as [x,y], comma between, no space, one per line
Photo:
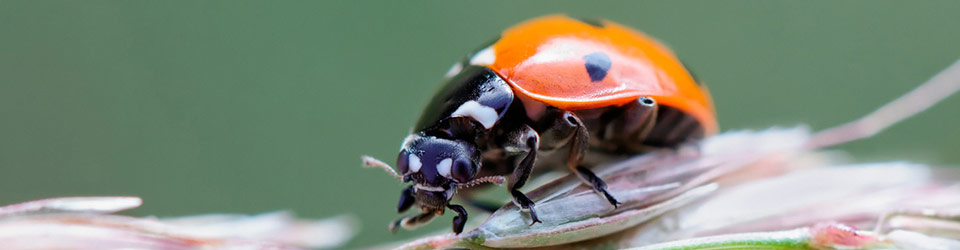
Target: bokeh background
[249,107]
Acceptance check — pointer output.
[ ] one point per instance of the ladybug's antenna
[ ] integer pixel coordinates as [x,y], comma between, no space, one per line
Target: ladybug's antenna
[371,162]
[939,86]
[491,179]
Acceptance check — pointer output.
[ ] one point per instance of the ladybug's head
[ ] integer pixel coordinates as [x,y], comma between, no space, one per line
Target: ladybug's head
[437,166]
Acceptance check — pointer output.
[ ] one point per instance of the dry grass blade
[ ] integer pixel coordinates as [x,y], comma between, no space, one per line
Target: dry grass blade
[86,223]
[103,204]
[648,185]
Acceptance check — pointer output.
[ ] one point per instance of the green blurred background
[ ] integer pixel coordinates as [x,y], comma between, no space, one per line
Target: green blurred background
[249,107]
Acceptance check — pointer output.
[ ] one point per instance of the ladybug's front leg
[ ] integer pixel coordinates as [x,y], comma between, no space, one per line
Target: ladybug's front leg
[460,220]
[522,142]
[566,128]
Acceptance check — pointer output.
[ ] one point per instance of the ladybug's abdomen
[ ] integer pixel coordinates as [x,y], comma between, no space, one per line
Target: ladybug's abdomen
[672,128]
[669,127]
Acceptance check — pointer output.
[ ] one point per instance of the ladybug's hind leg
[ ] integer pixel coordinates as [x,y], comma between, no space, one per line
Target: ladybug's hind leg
[566,128]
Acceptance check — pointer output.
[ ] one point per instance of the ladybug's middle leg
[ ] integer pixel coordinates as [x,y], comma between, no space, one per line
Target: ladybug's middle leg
[522,142]
[566,128]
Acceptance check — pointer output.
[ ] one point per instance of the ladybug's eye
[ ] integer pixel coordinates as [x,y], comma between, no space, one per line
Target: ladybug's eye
[403,161]
[463,171]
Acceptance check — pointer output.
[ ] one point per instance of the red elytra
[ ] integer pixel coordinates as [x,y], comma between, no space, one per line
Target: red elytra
[543,59]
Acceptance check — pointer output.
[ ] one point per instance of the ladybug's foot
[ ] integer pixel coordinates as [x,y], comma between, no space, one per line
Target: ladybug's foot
[533,216]
[598,185]
[525,204]
[610,199]
[412,222]
[395,225]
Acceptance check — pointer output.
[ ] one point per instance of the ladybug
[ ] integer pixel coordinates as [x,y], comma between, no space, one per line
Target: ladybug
[552,91]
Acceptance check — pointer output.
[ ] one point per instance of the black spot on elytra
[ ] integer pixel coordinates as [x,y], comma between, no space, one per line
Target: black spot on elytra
[595,22]
[597,65]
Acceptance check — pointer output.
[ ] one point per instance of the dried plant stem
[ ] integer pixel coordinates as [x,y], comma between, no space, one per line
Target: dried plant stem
[821,236]
[949,220]
[792,239]
[931,92]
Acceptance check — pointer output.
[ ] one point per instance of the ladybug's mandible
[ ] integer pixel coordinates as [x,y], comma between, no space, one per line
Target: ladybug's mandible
[553,91]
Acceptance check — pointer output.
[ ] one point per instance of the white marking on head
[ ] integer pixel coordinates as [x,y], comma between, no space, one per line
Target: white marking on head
[513,150]
[429,188]
[443,168]
[454,70]
[414,163]
[484,57]
[473,109]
